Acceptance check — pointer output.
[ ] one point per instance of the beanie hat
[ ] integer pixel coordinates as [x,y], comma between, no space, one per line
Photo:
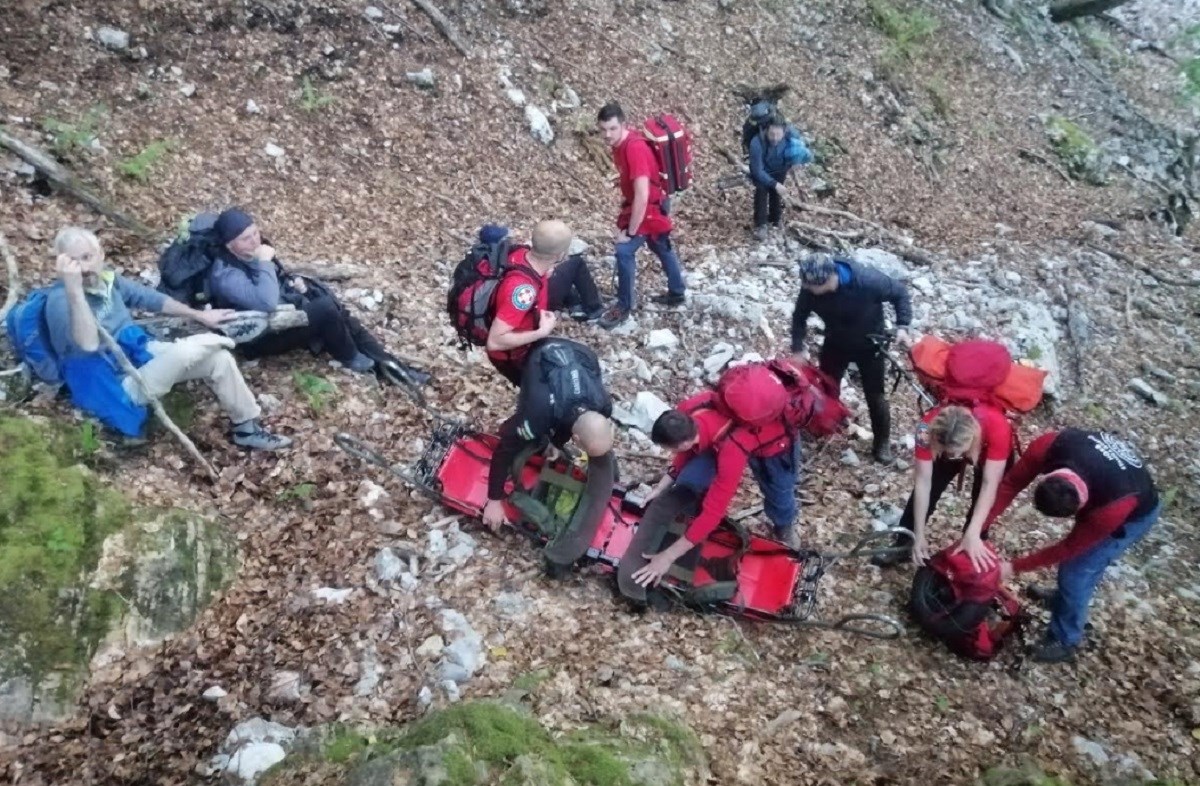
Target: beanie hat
[232,223]
[491,234]
[816,269]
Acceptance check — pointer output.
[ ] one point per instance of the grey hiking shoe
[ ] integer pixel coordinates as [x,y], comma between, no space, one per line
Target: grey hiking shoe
[789,537]
[252,435]
[760,233]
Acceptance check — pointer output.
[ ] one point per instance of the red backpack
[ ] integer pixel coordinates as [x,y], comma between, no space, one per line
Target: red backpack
[470,303]
[976,372]
[973,613]
[769,401]
[672,146]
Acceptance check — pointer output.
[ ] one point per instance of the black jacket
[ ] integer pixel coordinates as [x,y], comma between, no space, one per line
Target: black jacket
[852,311]
[560,382]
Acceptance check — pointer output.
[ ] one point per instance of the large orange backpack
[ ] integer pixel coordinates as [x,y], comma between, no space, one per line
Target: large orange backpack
[976,372]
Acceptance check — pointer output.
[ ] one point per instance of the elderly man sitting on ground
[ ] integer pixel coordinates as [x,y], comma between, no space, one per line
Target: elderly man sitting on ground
[91,297]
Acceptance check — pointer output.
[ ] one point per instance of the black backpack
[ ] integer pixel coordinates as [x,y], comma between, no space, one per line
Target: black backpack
[183,265]
[760,111]
[470,301]
[572,373]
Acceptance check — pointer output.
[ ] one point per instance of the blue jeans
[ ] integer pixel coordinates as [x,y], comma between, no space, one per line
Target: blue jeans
[626,254]
[1078,577]
[776,476]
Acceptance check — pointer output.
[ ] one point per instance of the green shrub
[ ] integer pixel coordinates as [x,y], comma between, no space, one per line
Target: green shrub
[312,99]
[140,166]
[317,391]
[67,138]
[907,31]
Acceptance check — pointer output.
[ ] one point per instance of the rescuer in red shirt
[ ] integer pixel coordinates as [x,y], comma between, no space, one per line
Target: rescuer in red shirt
[643,218]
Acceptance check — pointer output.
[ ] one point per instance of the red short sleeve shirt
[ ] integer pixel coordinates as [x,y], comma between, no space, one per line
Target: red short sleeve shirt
[519,300]
[633,159]
[997,434]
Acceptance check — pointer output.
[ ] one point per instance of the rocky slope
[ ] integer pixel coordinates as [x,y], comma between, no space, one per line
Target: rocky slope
[359,603]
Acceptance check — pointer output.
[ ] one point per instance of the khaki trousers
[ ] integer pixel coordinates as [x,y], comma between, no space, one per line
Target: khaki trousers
[205,356]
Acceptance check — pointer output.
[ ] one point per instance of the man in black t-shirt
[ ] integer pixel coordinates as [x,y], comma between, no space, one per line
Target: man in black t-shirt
[1101,481]
[562,397]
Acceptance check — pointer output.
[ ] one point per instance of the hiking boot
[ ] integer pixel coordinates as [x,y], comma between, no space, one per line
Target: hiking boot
[360,364]
[669,299]
[789,537]
[614,315]
[396,373]
[761,233]
[1052,650]
[883,455]
[581,314]
[1041,594]
[252,435]
[900,553]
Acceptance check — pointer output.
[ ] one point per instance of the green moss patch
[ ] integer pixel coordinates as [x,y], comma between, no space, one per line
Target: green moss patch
[54,517]
[486,742]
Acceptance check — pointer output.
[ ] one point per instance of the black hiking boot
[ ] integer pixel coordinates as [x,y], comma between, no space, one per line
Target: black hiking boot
[669,299]
[1052,651]
[581,314]
[613,316]
[1041,594]
[883,455]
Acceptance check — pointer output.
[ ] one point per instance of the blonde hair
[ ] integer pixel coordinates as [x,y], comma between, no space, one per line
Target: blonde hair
[954,429]
[69,238]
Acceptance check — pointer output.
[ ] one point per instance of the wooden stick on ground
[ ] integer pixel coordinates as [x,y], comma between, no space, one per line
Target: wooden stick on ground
[160,413]
[1142,266]
[14,278]
[278,321]
[63,179]
[444,26]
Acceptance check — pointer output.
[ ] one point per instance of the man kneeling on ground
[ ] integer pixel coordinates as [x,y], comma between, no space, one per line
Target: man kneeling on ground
[562,397]
[93,297]
[711,453]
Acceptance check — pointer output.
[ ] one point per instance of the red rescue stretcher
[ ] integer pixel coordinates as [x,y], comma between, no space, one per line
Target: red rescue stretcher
[733,572]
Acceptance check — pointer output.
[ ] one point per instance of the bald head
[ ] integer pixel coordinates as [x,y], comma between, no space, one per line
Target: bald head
[594,433]
[551,239]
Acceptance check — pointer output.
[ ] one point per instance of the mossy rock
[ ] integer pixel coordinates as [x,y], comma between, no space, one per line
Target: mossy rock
[485,742]
[80,567]
[1082,157]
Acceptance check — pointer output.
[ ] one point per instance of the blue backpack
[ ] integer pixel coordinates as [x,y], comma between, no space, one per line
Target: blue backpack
[30,336]
[795,152]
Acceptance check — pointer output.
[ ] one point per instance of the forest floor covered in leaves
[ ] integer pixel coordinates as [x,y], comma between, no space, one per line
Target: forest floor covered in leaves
[368,169]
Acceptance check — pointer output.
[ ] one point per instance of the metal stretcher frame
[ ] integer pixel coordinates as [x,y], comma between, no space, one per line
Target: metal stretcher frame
[774,583]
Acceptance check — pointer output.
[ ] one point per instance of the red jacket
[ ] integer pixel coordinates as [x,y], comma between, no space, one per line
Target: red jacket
[733,446]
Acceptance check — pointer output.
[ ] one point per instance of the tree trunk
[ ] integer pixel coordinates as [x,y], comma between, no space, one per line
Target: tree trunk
[1073,9]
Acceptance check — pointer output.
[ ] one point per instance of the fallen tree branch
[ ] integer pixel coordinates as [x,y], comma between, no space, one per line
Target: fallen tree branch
[325,272]
[1033,155]
[1142,266]
[64,180]
[155,405]
[283,319]
[14,278]
[444,26]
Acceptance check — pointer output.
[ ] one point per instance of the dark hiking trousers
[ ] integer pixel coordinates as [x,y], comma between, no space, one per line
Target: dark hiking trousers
[571,284]
[329,328]
[872,368]
[768,206]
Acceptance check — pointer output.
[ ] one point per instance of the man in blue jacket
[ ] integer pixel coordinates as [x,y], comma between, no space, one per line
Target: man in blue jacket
[849,298]
[92,297]
[773,153]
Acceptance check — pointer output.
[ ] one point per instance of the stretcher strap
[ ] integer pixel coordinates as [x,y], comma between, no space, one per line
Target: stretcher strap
[553,477]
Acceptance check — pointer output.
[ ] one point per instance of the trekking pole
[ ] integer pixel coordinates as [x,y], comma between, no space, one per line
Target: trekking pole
[883,344]
[155,405]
